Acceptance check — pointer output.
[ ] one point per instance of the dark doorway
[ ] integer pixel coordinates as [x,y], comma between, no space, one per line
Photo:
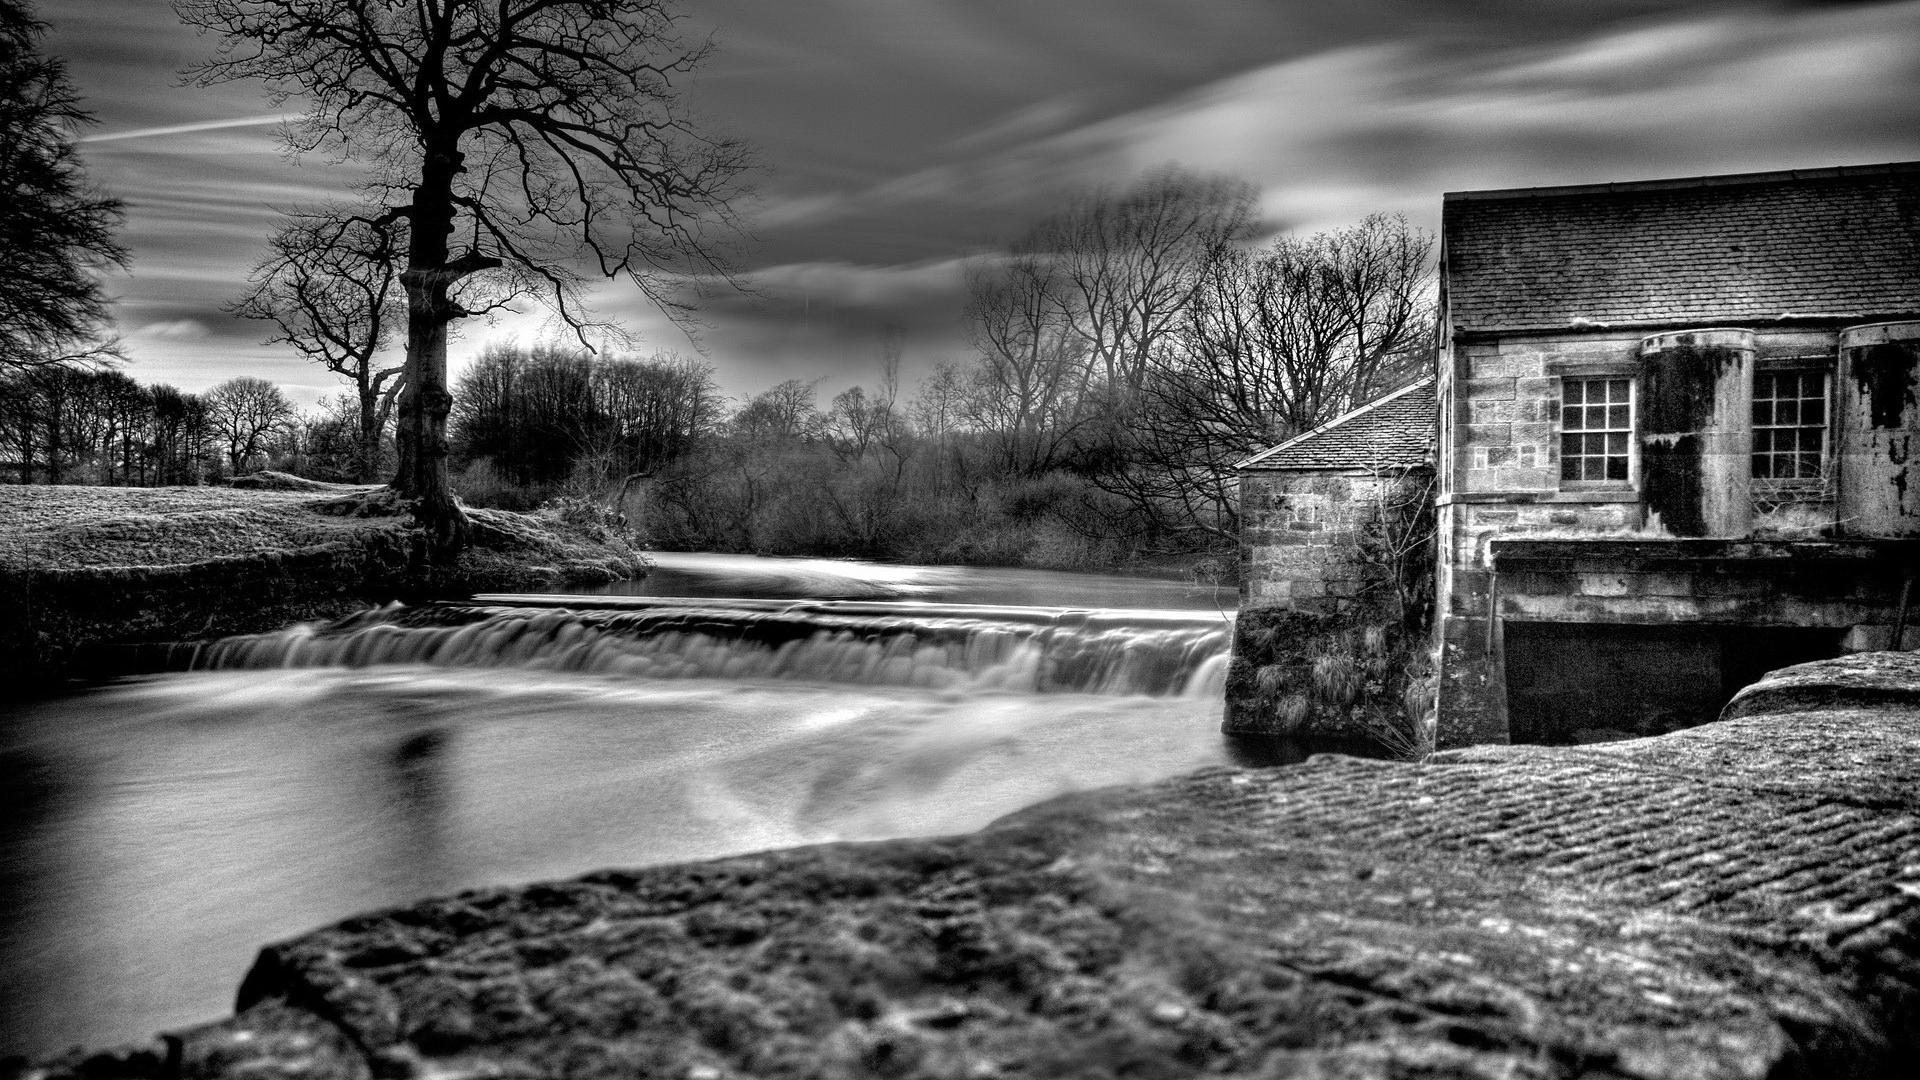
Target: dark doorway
[1586,682]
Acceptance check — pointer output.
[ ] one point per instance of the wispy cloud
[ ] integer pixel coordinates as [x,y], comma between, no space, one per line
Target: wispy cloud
[185,129]
[173,330]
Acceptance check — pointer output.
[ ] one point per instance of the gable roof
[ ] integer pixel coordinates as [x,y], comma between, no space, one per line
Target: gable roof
[1395,431]
[1755,247]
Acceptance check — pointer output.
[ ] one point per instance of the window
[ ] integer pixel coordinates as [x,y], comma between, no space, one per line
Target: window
[1789,425]
[1596,429]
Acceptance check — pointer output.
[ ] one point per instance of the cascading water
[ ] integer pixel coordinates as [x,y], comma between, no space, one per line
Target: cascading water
[934,646]
[159,830]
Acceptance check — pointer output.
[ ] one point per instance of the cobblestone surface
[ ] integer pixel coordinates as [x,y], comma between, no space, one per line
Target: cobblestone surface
[1737,900]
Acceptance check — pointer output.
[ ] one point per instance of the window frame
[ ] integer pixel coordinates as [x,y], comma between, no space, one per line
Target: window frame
[1630,432]
[1794,488]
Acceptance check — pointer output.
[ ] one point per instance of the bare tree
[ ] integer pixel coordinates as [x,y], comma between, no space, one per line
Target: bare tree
[56,231]
[783,412]
[529,136]
[1122,265]
[1270,343]
[246,414]
[330,285]
[1032,377]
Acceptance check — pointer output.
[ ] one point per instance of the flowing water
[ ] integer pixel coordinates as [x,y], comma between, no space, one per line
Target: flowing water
[157,830]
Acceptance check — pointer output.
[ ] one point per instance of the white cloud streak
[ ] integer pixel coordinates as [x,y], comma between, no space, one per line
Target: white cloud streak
[185,129]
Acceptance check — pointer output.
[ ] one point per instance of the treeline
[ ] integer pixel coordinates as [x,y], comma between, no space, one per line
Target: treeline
[76,424]
[1127,352]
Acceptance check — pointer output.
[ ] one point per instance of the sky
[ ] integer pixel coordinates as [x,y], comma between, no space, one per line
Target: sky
[899,139]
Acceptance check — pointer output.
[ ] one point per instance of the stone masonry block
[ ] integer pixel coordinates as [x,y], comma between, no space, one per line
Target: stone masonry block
[1498,412]
[1489,434]
[1604,584]
[1504,366]
[1490,389]
[1534,431]
[1538,478]
[1663,584]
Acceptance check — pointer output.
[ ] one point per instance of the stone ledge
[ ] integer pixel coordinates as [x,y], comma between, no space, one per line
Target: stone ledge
[1736,900]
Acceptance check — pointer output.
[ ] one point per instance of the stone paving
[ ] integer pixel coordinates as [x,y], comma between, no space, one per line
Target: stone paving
[1736,900]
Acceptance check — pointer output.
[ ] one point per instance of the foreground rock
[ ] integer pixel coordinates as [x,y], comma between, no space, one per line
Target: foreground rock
[87,567]
[1738,900]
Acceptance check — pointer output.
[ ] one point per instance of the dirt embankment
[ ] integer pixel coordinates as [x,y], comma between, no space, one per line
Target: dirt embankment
[1737,900]
[87,568]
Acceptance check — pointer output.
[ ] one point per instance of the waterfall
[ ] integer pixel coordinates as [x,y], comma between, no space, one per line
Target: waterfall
[944,647]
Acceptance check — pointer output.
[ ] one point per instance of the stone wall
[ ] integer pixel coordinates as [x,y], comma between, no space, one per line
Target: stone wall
[1304,542]
[1500,463]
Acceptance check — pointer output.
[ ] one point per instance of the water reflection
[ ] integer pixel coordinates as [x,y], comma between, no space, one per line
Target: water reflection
[704,574]
[158,831]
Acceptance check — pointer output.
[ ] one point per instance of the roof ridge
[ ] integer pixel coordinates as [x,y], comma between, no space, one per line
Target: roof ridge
[1685,182]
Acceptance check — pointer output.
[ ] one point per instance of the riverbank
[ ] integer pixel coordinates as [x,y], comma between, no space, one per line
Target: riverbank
[1734,900]
[90,568]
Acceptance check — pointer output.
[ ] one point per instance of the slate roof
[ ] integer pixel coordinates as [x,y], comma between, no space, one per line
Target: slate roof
[1705,251]
[1395,431]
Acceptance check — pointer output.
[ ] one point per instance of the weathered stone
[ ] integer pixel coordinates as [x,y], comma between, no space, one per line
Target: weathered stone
[1735,900]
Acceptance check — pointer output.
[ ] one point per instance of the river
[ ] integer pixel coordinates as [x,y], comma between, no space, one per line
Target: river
[157,830]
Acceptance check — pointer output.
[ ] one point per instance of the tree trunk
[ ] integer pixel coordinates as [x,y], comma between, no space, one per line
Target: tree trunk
[367,461]
[424,406]
[425,401]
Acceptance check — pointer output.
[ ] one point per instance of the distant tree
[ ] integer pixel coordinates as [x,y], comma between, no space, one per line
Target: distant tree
[531,136]
[329,444]
[1034,376]
[938,404]
[1272,342]
[180,437]
[246,415]
[1119,266]
[56,231]
[783,412]
[330,285]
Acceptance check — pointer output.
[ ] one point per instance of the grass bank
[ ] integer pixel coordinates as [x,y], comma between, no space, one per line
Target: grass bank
[82,568]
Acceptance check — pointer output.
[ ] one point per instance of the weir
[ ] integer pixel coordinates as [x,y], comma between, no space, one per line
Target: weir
[932,645]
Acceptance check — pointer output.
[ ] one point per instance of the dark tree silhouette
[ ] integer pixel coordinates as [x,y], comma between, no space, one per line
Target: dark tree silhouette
[56,231]
[518,140]
[247,414]
[331,287]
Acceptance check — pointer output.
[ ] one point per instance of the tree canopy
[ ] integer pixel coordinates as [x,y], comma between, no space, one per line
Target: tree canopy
[56,230]
[521,144]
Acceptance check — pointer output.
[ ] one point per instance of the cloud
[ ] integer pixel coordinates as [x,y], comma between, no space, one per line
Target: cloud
[174,330]
[185,129]
[1391,125]
[859,286]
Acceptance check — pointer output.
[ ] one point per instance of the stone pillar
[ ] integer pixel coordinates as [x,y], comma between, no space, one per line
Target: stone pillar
[1696,413]
[1878,429]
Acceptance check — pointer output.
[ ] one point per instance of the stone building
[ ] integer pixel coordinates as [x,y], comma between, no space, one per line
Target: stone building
[1305,504]
[1676,420]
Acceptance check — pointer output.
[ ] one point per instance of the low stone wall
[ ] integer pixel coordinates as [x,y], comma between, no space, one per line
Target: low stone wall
[78,620]
[1329,682]
[1735,900]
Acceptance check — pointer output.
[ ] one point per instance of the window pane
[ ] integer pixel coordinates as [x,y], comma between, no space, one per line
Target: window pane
[1616,468]
[1617,417]
[1576,391]
[1789,425]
